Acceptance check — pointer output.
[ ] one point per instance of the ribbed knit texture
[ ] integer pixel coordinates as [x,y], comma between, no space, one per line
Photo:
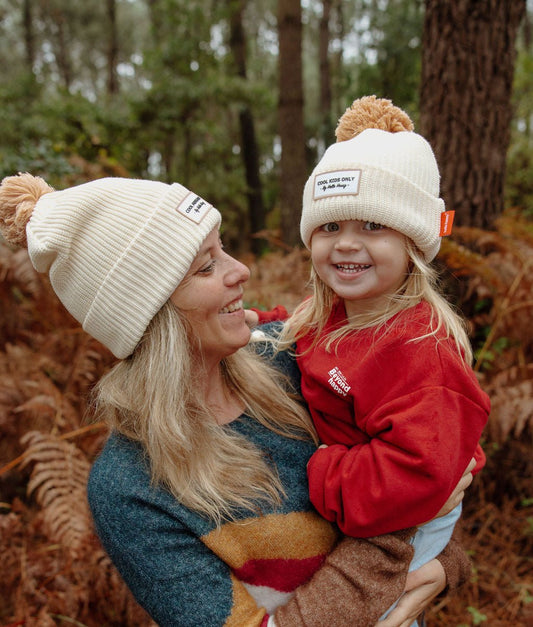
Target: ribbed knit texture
[115,250]
[398,187]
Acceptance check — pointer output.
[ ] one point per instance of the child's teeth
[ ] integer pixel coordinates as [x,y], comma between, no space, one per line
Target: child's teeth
[351,266]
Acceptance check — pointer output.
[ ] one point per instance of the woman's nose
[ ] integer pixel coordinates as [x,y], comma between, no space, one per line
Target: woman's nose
[236,271]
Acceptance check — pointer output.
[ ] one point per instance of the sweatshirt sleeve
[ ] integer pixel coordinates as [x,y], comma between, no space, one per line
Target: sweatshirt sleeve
[357,583]
[279,313]
[361,579]
[456,563]
[422,412]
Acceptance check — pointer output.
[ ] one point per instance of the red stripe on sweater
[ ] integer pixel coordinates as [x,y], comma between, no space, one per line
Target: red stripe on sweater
[283,575]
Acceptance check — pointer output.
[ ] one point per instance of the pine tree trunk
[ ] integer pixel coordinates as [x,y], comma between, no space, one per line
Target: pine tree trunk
[250,150]
[29,34]
[112,49]
[465,102]
[291,120]
[61,48]
[326,130]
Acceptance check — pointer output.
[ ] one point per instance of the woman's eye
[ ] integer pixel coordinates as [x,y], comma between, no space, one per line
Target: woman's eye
[373,226]
[330,227]
[207,268]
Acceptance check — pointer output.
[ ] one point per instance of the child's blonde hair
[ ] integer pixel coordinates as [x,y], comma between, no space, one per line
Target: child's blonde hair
[421,284]
[151,397]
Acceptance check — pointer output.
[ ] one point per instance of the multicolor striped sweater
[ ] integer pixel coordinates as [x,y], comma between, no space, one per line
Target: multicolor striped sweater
[185,571]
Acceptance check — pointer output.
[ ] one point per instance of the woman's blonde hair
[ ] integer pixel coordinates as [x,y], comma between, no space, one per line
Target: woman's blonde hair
[151,397]
[420,284]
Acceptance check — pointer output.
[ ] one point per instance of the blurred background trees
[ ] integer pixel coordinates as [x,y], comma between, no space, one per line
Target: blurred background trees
[238,99]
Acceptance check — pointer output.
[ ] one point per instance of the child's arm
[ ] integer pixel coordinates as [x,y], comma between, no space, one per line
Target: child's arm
[255,317]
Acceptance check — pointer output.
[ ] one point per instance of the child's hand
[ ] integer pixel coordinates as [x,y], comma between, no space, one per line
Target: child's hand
[251,318]
[459,491]
[321,446]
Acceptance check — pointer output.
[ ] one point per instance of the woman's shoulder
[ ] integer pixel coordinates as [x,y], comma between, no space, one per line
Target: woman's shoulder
[121,466]
[122,494]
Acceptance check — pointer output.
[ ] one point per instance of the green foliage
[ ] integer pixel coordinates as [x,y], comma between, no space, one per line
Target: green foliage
[486,358]
[477,616]
[176,114]
[519,186]
[387,62]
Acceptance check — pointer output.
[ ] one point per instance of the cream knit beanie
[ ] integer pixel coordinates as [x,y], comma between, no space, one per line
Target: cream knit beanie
[390,178]
[115,250]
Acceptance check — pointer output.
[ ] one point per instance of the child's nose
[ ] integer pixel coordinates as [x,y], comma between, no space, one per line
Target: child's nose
[349,240]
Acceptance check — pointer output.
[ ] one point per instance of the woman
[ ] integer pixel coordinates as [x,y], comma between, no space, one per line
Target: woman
[200,494]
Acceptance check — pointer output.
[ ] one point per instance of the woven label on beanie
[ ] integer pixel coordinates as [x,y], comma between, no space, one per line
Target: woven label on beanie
[336,183]
[194,207]
[446,222]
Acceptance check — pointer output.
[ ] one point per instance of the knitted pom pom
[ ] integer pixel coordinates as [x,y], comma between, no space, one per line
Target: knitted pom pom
[18,196]
[372,112]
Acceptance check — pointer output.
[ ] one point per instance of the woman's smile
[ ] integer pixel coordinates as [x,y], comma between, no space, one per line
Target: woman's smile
[232,307]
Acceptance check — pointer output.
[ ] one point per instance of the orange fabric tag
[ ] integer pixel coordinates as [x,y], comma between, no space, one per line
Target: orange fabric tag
[446,222]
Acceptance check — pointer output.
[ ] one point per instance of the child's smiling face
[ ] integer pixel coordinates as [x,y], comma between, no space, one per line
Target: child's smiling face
[362,262]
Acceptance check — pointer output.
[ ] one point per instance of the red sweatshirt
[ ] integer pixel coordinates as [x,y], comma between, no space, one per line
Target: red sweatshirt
[401,421]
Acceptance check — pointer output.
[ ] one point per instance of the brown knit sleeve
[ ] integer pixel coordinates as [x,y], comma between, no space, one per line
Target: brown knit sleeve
[456,563]
[359,580]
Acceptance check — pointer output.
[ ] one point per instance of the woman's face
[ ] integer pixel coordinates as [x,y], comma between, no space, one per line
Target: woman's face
[210,298]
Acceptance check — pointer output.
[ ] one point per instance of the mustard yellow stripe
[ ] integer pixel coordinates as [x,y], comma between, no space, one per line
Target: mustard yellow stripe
[297,535]
[245,612]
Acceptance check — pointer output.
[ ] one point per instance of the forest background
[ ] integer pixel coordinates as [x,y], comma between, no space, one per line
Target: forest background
[237,100]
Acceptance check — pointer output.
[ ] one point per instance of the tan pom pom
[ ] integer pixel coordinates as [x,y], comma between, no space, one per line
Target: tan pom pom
[18,196]
[372,112]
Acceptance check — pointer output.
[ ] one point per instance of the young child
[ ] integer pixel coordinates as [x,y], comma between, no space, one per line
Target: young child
[384,358]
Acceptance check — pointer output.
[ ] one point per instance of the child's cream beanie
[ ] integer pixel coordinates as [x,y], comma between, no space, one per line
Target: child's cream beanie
[387,176]
[115,248]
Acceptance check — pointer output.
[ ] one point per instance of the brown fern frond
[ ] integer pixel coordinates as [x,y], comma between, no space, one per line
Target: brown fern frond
[465,262]
[278,279]
[59,482]
[511,393]
[44,619]
[515,226]
[489,242]
[508,313]
[497,287]
[23,271]
[36,379]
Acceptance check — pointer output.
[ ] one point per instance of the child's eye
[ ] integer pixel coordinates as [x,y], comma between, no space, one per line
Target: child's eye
[373,226]
[330,227]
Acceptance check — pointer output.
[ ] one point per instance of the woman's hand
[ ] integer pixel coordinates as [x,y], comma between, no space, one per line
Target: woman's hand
[421,587]
[458,494]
